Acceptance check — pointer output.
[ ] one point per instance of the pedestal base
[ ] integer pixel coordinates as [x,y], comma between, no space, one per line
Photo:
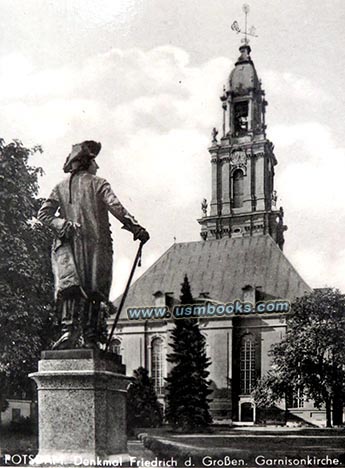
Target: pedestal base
[81,407]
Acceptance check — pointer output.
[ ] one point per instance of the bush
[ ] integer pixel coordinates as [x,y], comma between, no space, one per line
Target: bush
[23,426]
[143,407]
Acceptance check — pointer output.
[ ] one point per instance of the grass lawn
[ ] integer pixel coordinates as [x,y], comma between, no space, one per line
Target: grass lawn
[220,445]
[248,444]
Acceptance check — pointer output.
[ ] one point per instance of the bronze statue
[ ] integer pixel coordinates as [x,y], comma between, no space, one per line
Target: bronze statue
[82,249]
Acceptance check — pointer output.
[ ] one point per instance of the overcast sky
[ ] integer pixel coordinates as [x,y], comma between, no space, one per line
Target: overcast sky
[144,77]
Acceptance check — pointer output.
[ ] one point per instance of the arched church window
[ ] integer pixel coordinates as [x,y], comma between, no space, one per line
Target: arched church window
[247,364]
[115,346]
[157,364]
[238,188]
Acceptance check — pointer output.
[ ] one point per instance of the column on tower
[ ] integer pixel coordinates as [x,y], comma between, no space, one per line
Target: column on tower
[259,181]
[225,165]
[247,200]
[250,112]
[214,199]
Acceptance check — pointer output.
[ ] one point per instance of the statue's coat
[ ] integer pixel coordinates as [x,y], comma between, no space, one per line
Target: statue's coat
[91,200]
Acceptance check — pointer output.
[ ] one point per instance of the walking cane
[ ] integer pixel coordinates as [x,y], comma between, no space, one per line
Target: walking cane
[137,261]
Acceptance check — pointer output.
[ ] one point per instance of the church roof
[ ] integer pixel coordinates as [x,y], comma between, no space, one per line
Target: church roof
[221,268]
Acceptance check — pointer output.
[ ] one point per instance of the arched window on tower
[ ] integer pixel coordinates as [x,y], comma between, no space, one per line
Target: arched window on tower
[115,346]
[238,188]
[247,365]
[157,364]
[241,110]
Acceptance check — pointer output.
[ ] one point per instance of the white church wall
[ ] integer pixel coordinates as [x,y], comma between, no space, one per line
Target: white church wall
[219,350]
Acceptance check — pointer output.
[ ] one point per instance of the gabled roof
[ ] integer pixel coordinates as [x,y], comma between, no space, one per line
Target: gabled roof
[221,268]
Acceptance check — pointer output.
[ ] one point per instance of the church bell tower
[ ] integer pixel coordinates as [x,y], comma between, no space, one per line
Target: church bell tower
[243,199]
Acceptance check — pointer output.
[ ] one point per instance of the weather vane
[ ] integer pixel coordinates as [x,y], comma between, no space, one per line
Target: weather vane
[235,26]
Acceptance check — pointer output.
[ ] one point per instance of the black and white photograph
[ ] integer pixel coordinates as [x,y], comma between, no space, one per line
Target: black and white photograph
[172,233]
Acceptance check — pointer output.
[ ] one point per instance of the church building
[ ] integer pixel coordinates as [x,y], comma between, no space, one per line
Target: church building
[239,257]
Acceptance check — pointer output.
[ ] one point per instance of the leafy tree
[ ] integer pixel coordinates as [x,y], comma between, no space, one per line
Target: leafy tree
[187,405]
[143,407]
[312,355]
[273,387]
[3,404]
[26,310]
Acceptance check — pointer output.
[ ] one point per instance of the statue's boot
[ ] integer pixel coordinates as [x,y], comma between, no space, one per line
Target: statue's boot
[68,339]
[90,325]
[70,324]
[91,344]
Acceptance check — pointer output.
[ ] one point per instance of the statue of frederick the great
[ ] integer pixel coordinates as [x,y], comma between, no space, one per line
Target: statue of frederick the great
[77,211]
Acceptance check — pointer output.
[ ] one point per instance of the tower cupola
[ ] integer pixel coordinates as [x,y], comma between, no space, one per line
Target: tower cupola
[243,77]
[245,98]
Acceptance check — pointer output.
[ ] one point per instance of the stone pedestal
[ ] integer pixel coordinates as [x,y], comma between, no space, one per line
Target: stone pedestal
[81,406]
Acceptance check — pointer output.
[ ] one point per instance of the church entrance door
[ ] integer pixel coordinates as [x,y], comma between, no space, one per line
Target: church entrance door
[247,413]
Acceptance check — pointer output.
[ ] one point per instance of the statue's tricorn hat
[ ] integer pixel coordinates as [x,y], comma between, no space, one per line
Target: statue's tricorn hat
[87,149]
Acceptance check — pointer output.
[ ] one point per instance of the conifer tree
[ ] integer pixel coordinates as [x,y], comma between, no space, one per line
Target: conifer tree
[187,405]
[143,407]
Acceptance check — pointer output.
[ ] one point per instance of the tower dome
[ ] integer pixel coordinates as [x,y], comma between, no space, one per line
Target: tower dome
[243,77]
